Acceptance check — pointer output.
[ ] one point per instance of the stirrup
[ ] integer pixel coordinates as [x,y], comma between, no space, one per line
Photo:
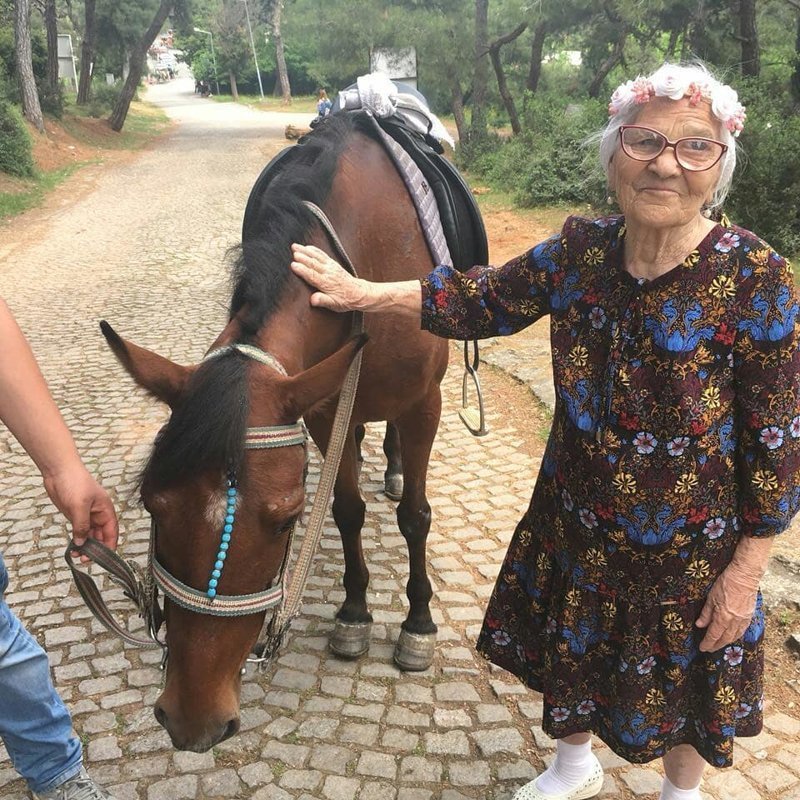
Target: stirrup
[471,416]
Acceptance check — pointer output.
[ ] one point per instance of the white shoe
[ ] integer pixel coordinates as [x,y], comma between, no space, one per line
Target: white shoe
[589,787]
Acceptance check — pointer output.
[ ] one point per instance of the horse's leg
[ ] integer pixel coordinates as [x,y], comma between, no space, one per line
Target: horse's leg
[393,477]
[351,634]
[417,429]
[361,432]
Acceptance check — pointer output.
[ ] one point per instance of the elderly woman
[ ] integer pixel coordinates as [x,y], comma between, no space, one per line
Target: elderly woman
[629,593]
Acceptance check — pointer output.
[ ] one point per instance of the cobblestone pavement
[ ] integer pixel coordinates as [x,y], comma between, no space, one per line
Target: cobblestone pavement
[144,250]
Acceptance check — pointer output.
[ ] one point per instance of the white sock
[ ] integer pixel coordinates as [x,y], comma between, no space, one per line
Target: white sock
[572,764]
[671,792]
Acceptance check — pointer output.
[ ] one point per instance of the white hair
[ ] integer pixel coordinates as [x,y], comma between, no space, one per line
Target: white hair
[625,108]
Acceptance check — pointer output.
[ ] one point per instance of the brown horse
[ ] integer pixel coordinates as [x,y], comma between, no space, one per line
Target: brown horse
[347,173]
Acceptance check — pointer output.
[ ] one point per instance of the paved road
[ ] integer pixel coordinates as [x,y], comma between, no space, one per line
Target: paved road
[145,250]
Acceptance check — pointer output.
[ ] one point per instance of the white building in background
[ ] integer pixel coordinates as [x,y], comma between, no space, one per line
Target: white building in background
[398,63]
[571,57]
[66,59]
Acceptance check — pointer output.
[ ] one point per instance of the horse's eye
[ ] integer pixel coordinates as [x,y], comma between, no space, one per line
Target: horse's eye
[288,525]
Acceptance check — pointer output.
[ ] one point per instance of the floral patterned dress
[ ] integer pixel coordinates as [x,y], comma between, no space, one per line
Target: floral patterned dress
[676,432]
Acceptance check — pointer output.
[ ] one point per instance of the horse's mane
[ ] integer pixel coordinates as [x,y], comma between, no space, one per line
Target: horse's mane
[206,430]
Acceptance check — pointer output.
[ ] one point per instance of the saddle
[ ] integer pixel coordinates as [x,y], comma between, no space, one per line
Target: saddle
[449,216]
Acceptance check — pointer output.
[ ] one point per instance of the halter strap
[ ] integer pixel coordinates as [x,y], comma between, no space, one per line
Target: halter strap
[251,351]
[230,605]
[275,436]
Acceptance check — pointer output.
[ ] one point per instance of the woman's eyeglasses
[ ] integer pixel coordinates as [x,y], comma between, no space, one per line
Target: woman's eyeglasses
[693,153]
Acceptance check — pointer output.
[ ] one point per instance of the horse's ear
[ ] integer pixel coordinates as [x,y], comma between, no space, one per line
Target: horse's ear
[316,384]
[161,377]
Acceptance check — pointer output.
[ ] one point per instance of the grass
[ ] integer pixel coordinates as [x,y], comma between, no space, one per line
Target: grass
[143,124]
[33,191]
[302,104]
[491,198]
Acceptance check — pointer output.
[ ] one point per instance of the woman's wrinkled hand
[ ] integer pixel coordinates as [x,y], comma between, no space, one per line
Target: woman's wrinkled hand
[336,288]
[728,610]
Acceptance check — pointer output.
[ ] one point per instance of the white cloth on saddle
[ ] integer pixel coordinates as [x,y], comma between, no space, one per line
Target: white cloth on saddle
[378,94]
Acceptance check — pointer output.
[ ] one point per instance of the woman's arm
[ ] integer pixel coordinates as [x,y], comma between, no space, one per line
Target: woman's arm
[481,302]
[766,365]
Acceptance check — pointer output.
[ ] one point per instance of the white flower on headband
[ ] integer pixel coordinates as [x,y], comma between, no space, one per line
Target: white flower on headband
[668,84]
[675,83]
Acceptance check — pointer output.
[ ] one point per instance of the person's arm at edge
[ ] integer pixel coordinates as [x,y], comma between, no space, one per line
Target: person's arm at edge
[30,413]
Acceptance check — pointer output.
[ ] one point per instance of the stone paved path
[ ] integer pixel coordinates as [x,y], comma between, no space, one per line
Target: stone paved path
[144,250]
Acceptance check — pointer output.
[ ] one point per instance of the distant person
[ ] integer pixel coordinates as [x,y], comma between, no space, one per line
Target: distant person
[35,726]
[323,104]
[629,593]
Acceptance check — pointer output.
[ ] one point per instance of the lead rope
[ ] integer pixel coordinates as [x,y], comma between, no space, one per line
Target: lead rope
[275,629]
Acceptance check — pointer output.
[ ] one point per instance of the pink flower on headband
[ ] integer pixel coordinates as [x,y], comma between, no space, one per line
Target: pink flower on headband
[694,93]
[642,90]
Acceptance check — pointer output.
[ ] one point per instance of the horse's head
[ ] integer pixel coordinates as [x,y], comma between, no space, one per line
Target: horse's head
[185,487]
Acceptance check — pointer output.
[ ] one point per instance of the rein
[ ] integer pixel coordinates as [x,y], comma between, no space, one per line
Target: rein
[285,596]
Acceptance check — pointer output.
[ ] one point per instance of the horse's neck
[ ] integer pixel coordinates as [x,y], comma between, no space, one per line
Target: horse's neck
[299,335]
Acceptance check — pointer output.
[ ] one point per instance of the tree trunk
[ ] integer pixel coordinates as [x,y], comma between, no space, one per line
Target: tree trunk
[535,67]
[457,105]
[613,59]
[51,26]
[672,46]
[502,85]
[794,81]
[123,104]
[22,49]
[480,78]
[280,56]
[87,54]
[234,87]
[748,37]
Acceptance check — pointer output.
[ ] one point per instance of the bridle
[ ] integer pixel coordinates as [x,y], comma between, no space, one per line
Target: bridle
[284,597]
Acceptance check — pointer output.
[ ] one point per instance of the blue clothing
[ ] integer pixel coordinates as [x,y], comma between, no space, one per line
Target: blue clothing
[35,725]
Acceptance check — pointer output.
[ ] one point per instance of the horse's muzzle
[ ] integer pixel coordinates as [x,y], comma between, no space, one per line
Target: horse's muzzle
[183,738]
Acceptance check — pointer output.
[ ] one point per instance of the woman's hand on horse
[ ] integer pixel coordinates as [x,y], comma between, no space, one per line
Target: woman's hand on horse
[336,288]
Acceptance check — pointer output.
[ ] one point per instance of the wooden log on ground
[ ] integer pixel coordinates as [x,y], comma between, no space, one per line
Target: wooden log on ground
[293,132]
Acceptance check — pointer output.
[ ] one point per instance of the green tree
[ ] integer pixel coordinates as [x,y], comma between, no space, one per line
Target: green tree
[137,62]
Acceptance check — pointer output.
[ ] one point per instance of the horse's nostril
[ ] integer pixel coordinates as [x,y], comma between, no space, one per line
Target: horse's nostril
[230,729]
[161,716]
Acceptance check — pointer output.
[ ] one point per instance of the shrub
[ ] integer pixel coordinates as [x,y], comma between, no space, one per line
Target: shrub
[15,142]
[103,98]
[766,190]
[52,99]
[547,163]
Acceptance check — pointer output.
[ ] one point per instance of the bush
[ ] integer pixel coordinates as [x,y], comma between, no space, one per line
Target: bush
[103,98]
[547,163]
[766,190]
[52,99]
[15,142]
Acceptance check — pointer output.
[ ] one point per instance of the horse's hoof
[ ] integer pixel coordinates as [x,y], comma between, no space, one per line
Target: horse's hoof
[393,486]
[414,651]
[350,639]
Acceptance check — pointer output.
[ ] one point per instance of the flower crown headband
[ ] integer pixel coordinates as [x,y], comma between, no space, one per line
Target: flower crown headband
[674,84]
